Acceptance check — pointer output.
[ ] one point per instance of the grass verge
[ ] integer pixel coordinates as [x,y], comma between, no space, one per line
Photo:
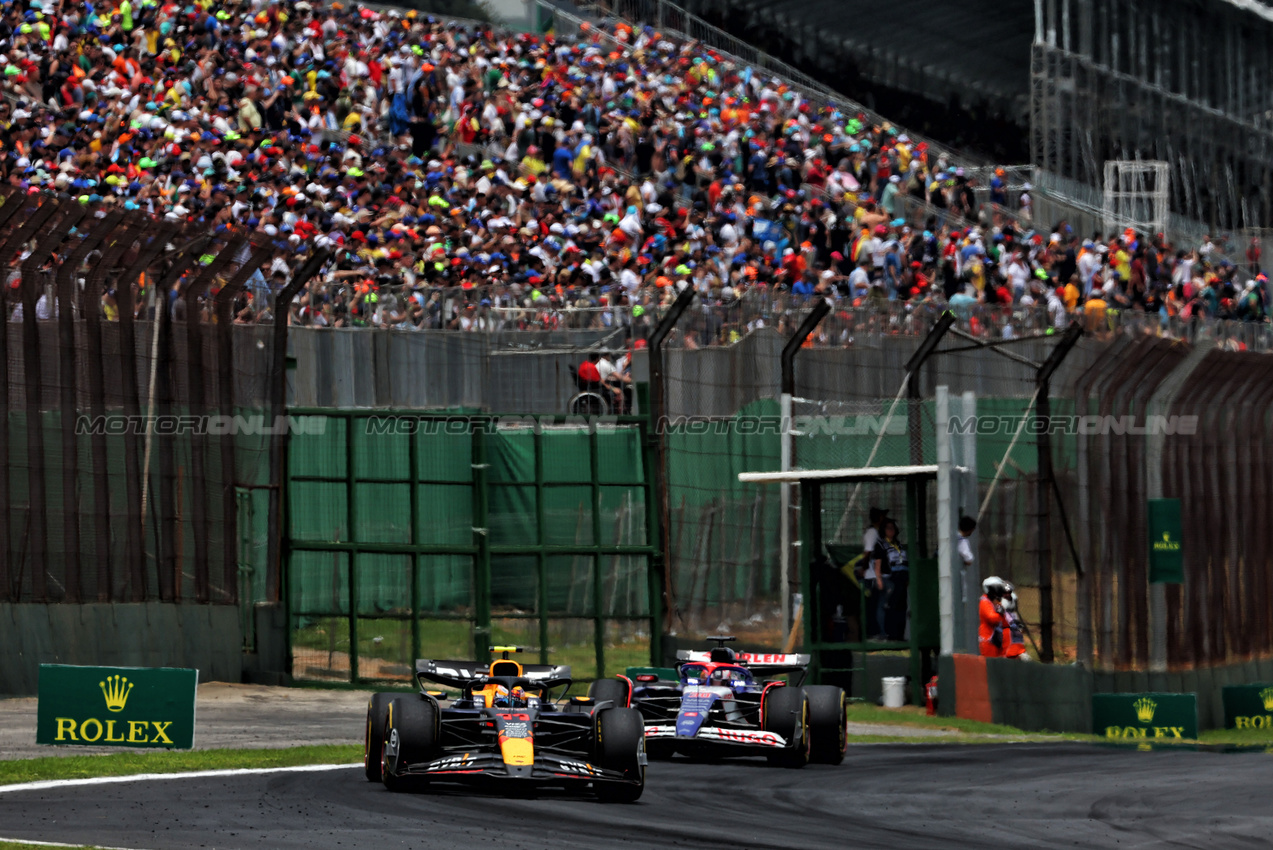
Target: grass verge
[171,761]
[973,731]
[915,717]
[1248,737]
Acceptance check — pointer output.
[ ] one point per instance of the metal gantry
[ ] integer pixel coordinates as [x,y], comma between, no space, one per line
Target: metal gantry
[1177,81]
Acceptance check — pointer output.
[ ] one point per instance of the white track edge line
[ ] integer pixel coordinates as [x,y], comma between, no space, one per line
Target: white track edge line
[35,843]
[44,784]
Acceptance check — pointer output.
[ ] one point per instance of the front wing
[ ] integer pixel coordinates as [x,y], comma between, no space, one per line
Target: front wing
[719,735]
[547,767]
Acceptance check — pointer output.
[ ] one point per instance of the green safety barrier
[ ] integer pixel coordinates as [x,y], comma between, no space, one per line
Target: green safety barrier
[139,707]
[436,535]
[1248,707]
[1145,715]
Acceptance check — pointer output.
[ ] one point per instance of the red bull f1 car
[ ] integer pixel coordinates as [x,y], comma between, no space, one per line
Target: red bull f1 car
[504,725]
[720,702]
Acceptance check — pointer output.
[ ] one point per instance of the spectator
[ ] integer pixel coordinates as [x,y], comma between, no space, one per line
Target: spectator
[573,175]
[967,525]
[872,580]
[891,563]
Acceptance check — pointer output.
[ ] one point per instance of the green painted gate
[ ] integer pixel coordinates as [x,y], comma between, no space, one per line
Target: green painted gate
[412,535]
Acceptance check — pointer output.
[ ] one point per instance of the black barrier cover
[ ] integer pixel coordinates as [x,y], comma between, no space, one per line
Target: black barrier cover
[1038,697]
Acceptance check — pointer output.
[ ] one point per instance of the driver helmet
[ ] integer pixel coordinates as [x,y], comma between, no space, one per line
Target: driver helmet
[995,588]
[1009,597]
[501,697]
[517,697]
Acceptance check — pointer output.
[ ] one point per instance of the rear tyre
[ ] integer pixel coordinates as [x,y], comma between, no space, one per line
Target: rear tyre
[411,737]
[828,716]
[377,706]
[614,690]
[621,746]
[787,714]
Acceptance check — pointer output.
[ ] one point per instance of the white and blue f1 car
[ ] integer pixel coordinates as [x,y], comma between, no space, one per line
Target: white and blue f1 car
[719,703]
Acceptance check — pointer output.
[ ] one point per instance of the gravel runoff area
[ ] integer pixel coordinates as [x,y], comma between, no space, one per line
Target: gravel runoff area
[226,716]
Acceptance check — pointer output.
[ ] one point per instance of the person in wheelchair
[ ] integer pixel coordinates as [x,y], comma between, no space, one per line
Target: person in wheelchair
[595,396]
[616,378]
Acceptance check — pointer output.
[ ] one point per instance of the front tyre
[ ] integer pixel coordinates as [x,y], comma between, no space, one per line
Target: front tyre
[828,720]
[787,714]
[621,746]
[377,708]
[410,737]
[612,690]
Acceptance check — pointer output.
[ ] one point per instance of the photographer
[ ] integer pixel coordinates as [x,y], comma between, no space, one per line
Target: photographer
[1014,632]
[990,631]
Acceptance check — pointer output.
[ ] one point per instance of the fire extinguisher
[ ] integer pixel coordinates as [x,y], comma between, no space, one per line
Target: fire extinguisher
[930,696]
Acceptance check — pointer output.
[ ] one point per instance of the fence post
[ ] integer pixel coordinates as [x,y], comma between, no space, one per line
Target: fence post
[278,400]
[789,351]
[13,202]
[1160,403]
[196,405]
[66,346]
[133,521]
[222,305]
[945,589]
[658,419]
[91,310]
[1043,448]
[482,538]
[52,213]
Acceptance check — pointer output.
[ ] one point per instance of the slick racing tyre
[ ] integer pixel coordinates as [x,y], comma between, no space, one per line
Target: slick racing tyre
[787,714]
[614,690]
[828,716]
[621,746]
[411,737]
[377,707]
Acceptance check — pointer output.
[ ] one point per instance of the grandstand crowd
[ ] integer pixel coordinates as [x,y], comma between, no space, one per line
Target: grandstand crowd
[471,179]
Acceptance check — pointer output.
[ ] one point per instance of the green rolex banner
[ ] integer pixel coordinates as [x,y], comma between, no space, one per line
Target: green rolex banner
[1136,716]
[116,706]
[1166,560]
[1248,707]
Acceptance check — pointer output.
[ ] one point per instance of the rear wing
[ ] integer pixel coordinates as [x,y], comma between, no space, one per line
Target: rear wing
[460,674]
[761,662]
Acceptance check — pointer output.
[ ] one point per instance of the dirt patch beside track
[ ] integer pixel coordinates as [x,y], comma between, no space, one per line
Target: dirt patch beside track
[226,716]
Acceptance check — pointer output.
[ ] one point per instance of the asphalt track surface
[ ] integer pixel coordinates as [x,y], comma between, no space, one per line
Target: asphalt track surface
[888,796]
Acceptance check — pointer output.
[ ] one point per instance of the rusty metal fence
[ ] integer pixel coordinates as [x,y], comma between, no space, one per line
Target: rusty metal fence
[136,432]
[1219,402]
[122,349]
[1139,410]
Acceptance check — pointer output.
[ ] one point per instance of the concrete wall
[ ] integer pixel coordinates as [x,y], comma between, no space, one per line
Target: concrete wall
[1038,697]
[145,634]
